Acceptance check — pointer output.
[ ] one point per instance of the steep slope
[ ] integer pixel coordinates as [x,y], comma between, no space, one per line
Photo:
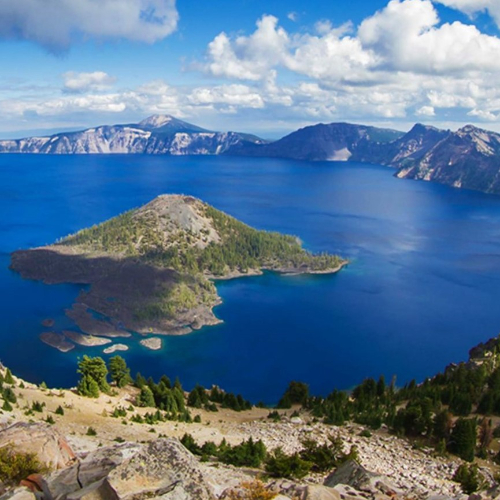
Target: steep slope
[158,134]
[335,141]
[468,158]
[149,268]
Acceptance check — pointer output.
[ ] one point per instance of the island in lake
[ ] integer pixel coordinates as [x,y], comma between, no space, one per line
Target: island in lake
[151,269]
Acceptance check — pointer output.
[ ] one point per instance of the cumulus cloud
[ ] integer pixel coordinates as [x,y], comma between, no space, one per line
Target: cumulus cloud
[401,61]
[399,65]
[56,23]
[248,57]
[407,37]
[84,82]
[471,7]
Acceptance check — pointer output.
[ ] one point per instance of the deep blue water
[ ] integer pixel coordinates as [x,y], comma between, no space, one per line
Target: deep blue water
[422,288]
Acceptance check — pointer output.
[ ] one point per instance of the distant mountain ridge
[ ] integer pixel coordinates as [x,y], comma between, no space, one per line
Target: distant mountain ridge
[468,158]
[157,134]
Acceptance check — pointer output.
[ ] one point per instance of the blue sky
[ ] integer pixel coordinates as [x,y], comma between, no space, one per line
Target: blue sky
[266,67]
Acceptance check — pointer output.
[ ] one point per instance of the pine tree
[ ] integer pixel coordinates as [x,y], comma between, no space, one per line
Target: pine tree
[94,374]
[8,379]
[88,387]
[119,371]
[463,439]
[146,397]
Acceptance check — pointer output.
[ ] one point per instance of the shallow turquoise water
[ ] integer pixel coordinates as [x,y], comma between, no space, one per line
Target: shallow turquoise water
[423,286]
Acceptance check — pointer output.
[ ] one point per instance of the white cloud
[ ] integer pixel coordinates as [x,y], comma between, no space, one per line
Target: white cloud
[55,23]
[399,65]
[426,111]
[84,82]
[407,37]
[471,7]
[404,36]
[483,115]
[248,58]
[233,95]
[293,16]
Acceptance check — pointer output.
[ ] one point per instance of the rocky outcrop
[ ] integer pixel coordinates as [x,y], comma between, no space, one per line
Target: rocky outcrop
[356,476]
[160,469]
[51,448]
[158,134]
[468,158]
[322,142]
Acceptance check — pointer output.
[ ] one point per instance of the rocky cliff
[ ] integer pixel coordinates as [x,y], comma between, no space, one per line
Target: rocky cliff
[158,134]
[468,158]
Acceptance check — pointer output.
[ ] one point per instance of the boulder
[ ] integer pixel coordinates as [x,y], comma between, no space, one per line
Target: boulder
[96,491]
[355,475]
[19,494]
[316,492]
[162,468]
[51,448]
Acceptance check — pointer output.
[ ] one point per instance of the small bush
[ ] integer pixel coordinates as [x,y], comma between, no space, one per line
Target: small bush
[469,478]
[91,432]
[254,490]
[15,466]
[278,464]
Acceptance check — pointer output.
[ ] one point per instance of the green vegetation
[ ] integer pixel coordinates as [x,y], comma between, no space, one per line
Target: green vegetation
[199,397]
[313,457]
[469,478]
[93,379]
[296,393]
[15,466]
[119,371]
[8,379]
[279,464]
[140,233]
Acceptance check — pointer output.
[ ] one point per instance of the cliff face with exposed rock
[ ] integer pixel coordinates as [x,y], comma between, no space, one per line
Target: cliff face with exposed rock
[468,158]
[158,134]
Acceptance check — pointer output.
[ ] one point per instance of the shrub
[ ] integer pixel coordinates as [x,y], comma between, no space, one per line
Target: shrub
[91,432]
[254,490]
[15,466]
[469,478]
[278,464]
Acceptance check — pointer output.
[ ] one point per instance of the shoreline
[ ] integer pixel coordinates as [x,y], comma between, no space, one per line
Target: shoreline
[50,265]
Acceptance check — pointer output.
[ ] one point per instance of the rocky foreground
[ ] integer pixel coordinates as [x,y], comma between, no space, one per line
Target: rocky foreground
[127,460]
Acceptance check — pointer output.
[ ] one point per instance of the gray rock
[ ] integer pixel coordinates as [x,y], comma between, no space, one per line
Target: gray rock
[96,491]
[18,494]
[316,492]
[355,475]
[163,468]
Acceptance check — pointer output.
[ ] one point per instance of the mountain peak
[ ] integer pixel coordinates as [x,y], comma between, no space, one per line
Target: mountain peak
[156,121]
